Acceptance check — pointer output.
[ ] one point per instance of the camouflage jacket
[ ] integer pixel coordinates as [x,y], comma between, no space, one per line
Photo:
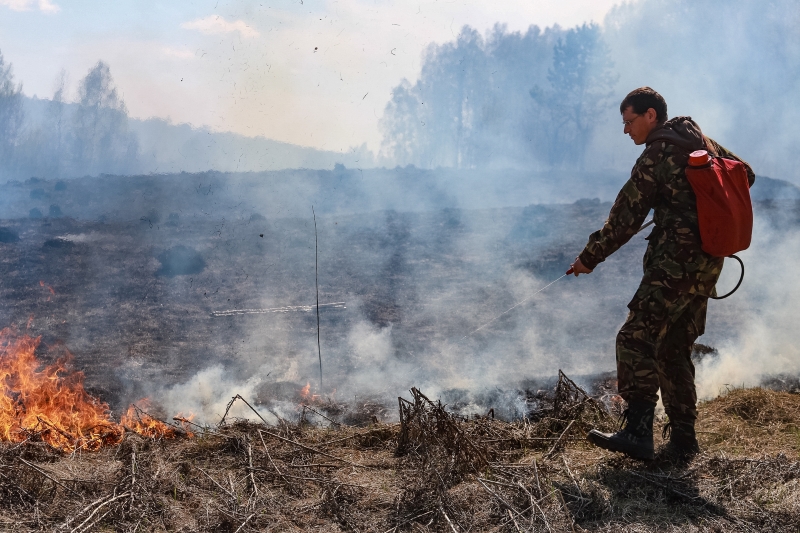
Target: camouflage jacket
[658,181]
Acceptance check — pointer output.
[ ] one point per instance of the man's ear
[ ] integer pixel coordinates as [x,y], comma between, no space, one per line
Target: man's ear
[651,115]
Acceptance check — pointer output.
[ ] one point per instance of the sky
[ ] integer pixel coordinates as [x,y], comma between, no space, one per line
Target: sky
[315,73]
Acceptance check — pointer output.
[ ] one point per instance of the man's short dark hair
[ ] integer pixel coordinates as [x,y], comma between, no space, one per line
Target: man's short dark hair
[642,99]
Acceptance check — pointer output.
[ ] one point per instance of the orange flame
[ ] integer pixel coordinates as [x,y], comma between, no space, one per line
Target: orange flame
[142,423]
[49,288]
[51,403]
[307,396]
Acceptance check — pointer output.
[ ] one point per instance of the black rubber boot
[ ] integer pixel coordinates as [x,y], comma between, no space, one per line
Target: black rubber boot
[636,438]
[682,444]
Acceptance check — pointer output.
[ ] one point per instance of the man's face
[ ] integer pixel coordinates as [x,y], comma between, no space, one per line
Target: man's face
[639,126]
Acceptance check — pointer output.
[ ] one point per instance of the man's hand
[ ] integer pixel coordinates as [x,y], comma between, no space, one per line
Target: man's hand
[578,268]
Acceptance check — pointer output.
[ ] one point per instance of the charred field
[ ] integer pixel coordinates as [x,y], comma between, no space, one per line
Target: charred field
[197,293]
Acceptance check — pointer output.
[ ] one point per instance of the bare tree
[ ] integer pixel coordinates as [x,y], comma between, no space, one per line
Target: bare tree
[11,116]
[101,139]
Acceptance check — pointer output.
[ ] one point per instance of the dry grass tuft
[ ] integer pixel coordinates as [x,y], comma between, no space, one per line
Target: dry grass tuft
[763,407]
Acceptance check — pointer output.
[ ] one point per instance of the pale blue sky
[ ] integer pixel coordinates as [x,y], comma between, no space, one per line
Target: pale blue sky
[251,67]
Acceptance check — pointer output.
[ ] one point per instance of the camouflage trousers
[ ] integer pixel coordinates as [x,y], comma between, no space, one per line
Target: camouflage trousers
[654,350]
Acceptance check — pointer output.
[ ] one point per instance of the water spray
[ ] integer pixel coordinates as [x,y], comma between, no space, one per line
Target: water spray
[513,307]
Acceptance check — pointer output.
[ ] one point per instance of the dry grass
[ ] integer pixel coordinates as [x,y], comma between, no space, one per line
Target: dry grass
[434,471]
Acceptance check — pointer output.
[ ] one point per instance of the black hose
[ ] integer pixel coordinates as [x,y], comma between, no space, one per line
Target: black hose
[741,277]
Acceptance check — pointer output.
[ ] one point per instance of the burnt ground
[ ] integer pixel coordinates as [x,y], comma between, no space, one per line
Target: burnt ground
[125,309]
[134,300]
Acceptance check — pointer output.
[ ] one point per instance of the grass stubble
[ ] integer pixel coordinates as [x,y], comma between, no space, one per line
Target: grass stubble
[432,471]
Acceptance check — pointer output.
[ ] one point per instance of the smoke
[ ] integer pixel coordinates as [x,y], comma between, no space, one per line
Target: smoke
[207,394]
[426,295]
[439,267]
[417,286]
[763,343]
[733,68]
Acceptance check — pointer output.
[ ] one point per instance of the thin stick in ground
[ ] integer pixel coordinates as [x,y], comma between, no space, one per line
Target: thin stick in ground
[316,284]
[253,486]
[244,523]
[230,404]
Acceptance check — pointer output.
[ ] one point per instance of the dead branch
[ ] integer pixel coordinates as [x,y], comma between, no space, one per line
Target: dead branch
[315,479]
[536,472]
[253,487]
[42,472]
[115,498]
[313,450]
[334,422]
[14,485]
[223,489]
[230,404]
[556,443]
[244,523]
[447,518]
[395,528]
[663,486]
[499,498]
[270,458]
[534,503]
[511,516]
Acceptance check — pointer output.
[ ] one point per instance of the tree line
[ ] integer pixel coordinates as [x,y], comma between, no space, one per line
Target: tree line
[506,99]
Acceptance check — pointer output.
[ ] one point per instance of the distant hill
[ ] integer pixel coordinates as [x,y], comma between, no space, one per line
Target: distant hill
[165,147]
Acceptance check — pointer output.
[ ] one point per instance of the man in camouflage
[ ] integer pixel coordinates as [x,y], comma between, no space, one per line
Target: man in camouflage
[668,311]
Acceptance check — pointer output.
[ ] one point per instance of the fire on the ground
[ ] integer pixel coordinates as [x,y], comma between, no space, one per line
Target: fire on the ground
[50,403]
